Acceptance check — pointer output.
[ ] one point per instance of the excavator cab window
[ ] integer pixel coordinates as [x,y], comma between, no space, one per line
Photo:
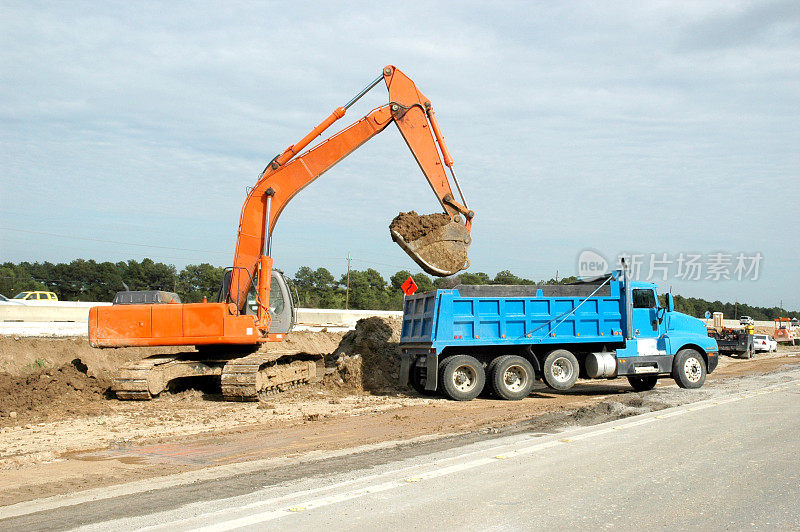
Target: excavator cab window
[252,302]
[275,302]
[281,307]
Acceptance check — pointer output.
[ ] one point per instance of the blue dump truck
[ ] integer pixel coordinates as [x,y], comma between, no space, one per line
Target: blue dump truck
[499,339]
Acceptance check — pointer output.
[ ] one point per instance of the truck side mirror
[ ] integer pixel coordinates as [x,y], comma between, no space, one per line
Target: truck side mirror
[670,303]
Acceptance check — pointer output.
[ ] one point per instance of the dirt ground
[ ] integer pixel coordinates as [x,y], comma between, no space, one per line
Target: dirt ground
[68,434]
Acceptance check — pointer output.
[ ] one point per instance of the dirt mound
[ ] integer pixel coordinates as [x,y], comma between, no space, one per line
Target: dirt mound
[412,226]
[20,355]
[50,394]
[368,358]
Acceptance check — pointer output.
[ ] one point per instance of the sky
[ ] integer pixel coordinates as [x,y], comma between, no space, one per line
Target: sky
[658,130]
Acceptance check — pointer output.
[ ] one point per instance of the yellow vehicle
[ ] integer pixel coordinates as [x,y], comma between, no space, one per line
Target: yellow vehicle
[37,296]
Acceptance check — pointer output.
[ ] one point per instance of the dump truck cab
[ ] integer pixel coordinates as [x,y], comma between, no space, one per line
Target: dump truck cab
[658,333]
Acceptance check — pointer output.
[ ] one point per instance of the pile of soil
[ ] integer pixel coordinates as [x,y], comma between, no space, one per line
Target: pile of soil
[51,394]
[368,358]
[20,356]
[412,226]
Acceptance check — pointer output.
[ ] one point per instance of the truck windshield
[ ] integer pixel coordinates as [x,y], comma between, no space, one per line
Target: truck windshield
[643,298]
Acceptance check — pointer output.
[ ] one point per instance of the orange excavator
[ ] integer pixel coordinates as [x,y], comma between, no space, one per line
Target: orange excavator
[237,338]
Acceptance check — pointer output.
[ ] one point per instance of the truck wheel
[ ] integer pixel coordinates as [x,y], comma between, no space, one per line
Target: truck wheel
[512,377]
[417,379]
[560,370]
[643,383]
[689,369]
[462,377]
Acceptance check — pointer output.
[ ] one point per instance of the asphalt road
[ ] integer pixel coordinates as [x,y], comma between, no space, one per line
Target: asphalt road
[728,462]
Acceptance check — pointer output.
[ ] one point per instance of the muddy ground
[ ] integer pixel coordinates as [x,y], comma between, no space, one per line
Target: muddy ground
[67,433]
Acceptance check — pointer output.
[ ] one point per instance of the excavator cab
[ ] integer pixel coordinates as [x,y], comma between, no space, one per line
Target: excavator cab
[281,305]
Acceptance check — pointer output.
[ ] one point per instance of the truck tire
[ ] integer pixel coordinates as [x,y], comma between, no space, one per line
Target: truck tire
[461,377]
[689,369]
[560,370]
[512,377]
[417,379]
[643,383]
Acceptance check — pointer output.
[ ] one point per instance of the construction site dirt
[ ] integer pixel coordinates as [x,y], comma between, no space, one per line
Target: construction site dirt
[412,226]
[62,431]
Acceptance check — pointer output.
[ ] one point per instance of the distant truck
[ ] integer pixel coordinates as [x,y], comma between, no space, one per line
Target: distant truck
[497,338]
[734,342]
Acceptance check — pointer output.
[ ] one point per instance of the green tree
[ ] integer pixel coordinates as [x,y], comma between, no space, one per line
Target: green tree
[368,290]
[196,281]
[474,278]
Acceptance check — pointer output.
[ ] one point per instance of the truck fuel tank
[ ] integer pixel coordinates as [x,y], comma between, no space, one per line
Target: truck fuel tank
[601,365]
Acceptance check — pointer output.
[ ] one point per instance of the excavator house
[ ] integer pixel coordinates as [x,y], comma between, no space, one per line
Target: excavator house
[238,337]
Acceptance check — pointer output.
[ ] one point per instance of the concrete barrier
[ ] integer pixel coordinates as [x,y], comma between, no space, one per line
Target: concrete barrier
[321,317]
[44,328]
[62,304]
[37,313]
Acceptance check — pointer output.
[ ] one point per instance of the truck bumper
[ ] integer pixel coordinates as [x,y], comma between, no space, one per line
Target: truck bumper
[644,365]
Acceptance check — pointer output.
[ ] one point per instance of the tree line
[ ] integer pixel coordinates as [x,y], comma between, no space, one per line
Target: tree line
[87,280]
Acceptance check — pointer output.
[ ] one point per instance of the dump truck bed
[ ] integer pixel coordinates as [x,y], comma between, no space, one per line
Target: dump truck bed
[474,315]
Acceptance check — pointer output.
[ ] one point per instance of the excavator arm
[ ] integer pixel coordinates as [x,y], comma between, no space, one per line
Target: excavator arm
[291,171]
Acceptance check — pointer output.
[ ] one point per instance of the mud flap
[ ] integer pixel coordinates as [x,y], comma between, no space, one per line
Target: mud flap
[431,368]
[405,367]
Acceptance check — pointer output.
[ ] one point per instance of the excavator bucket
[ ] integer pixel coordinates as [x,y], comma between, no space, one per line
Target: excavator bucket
[435,242]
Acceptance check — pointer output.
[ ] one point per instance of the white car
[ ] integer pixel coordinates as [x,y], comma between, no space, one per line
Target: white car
[5,300]
[762,342]
[746,320]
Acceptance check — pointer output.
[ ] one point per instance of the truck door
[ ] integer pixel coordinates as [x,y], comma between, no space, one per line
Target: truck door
[645,313]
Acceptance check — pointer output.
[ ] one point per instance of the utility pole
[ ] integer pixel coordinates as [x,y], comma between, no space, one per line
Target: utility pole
[556,276]
[347,291]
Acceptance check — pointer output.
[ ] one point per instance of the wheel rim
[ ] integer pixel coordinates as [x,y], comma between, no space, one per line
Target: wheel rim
[464,378]
[562,370]
[692,369]
[515,378]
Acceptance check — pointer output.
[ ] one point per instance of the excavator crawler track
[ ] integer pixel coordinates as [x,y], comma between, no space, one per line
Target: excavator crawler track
[247,378]
[144,379]
[261,374]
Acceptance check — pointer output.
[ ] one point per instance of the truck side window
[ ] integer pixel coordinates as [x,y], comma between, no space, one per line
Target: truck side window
[643,298]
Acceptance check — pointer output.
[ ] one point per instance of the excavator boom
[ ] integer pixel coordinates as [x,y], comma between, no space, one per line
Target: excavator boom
[441,253]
